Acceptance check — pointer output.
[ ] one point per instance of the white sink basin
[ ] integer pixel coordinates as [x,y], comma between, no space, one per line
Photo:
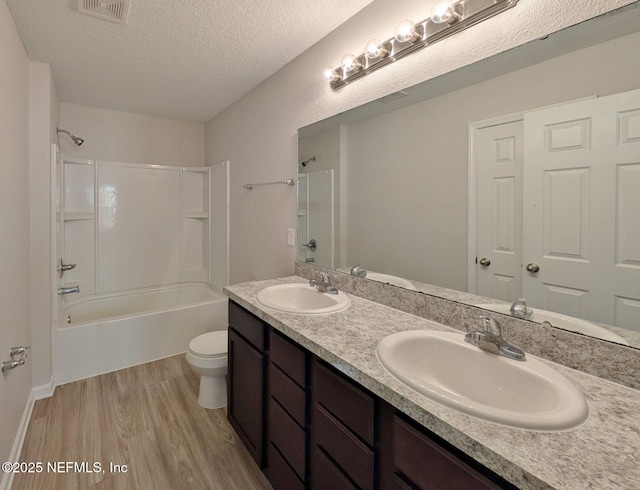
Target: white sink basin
[563,321]
[443,367]
[302,299]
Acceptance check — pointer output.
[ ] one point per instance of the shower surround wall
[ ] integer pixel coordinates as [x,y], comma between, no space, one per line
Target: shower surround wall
[130,226]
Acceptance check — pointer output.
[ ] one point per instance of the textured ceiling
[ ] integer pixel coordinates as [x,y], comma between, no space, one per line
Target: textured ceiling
[186,59]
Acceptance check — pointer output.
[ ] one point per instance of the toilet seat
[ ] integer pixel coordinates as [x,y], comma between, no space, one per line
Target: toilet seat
[210,344]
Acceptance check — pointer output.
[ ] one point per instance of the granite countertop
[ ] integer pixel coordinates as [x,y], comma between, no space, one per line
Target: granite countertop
[600,454]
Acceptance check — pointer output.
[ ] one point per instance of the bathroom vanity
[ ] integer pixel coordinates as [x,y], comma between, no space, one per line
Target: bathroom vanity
[317,410]
[322,430]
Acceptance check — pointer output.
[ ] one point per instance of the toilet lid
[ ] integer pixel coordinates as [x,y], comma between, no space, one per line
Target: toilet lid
[210,344]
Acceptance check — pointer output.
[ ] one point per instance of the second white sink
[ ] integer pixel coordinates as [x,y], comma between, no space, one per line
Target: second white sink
[443,367]
[388,279]
[302,299]
[563,321]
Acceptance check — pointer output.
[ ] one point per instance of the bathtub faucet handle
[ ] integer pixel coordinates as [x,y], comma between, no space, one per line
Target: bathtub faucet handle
[62,267]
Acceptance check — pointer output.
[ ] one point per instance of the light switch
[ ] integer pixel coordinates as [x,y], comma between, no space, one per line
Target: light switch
[291,237]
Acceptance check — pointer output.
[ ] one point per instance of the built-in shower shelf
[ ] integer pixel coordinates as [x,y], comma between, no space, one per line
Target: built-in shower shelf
[302,213]
[78,216]
[196,215]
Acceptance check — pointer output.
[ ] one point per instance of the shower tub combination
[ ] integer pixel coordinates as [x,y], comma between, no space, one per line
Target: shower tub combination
[104,333]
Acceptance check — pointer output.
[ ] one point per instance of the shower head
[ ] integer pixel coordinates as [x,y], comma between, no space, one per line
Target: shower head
[76,140]
[308,161]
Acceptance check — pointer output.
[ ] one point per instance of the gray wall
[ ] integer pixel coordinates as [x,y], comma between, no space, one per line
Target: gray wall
[15,328]
[132,138]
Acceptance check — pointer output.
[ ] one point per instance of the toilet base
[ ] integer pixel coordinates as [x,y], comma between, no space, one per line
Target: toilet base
[213,392]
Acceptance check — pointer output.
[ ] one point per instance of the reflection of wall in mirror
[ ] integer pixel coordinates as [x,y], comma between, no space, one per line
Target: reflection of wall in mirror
[411,212]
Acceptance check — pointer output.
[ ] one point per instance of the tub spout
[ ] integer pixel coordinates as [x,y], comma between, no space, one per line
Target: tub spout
[75,289]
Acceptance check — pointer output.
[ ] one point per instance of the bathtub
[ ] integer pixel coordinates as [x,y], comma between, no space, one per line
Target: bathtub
[104,333]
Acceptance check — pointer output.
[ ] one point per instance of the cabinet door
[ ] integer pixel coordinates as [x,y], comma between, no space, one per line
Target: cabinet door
[246,394]
[426,464]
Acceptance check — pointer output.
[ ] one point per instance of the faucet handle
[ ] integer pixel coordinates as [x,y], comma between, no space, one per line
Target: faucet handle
[519,309]
[324,277]
[490,325]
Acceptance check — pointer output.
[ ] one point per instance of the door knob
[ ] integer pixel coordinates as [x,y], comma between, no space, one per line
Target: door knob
[484,262]
[312,245]
[533,268]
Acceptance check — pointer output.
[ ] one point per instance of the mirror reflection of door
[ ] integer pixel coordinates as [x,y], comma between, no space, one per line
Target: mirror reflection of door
[499,220]
[582,209]
[316,217]
[578,212]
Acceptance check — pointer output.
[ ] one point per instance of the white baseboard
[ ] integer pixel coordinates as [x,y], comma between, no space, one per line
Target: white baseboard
[7,478]
[44,391]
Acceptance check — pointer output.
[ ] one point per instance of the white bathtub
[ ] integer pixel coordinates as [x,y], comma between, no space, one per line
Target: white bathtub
[101,334]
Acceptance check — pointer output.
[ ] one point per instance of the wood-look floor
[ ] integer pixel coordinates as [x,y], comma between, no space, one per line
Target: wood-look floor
[146,417]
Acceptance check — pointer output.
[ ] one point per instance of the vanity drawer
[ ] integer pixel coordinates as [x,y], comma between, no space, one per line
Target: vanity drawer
[247,325]
[280,474]
[326,476]
[288,437]
[352,455]
[398,484]
[429,465]
[345,401]
[288,357]
[287,393]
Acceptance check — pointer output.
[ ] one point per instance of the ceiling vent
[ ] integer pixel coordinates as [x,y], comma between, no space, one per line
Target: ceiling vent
[111,10]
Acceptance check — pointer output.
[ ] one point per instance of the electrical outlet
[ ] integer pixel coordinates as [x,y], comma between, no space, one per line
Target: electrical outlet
[291,237]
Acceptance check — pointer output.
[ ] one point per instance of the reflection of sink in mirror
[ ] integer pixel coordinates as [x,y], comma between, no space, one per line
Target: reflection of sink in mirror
[302,299]
[386,278]
[443,367]
[562,321]
[393,280]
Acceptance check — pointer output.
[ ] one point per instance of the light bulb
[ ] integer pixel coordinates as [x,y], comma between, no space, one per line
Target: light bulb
[330,74]
[375,49]
[405,32]
[444,11]
[350,63]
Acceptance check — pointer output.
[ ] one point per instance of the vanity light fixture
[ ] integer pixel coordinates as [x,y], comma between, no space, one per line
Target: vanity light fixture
[330,75]
[448,17]
[375,49]
[350,63]
[405,32]
[445,11]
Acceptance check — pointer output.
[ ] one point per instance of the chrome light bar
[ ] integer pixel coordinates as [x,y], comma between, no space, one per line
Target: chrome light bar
[447,18]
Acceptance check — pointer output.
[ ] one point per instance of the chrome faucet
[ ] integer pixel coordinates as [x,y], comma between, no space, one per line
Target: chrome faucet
[519,309]
[490,339]
[75,289]
[357,271]
[323,283]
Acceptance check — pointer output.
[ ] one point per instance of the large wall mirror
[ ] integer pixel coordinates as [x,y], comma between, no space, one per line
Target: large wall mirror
[516,177]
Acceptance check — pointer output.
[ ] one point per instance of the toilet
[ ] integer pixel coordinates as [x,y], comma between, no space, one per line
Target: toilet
[207,356]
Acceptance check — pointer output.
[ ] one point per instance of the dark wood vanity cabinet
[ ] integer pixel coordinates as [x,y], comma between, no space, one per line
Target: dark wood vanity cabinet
[287,427]
[342,432]
[412,457]
[308,426]
[247,367]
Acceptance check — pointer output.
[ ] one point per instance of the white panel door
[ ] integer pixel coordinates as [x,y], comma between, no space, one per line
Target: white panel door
[499,170]
[582,209]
